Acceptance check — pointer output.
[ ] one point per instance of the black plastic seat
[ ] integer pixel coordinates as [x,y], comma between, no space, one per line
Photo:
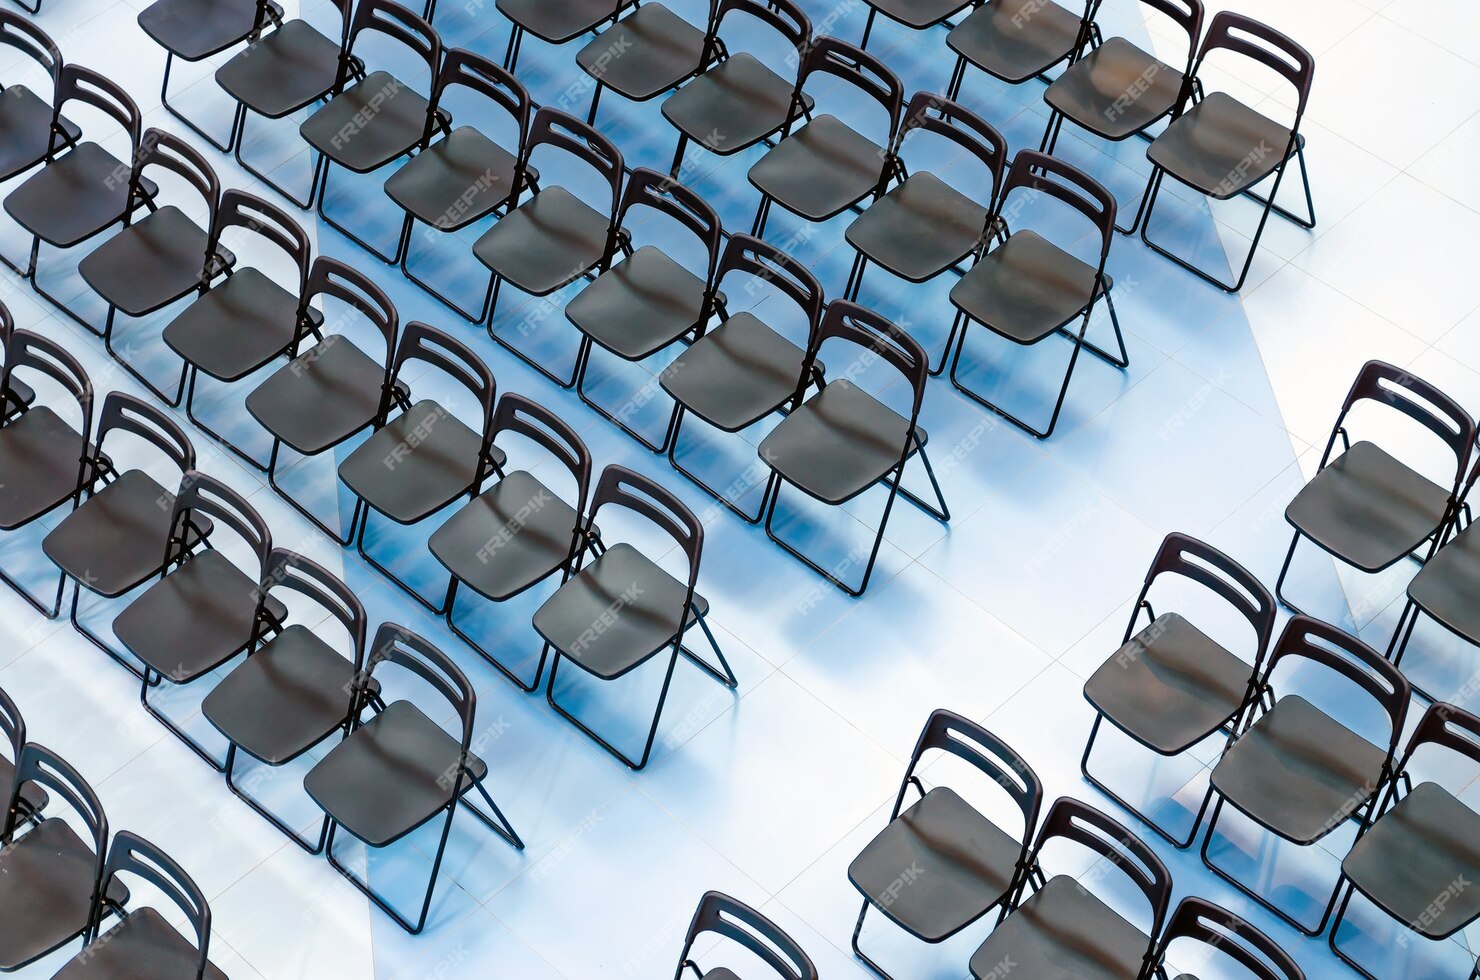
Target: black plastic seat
[26,119]
[940,865]
[400,769]
[719,915]
[1223,938]
[646,53]
[1301,774]
[554,21]
[1015,40]
[402,109]
[914,14]
[1065,931]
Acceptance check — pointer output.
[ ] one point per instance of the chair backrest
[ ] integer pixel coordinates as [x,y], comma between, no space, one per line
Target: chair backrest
[935,114]
[527,418]
[1188,15]
[27,351]
[833,56]
[783,16]
[662,193]
[133,855]
[44,768]
[721,915]
[78,84]
[425,343]
[205,496]
[948,731]
[169,152]
[1248,37]
[123,412]
[400,646]
[248,211]
[297,573]
[13,727]
[465,69]
[30,40]
[1224,933]
[1387,384]
[1040,173]
[561,130]
[628,489]
[1186,556]
[1448,727]
[846,320]
[331,277]
[398,23]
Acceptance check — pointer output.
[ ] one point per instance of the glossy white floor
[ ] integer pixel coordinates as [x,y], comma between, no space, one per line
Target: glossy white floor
[768,793]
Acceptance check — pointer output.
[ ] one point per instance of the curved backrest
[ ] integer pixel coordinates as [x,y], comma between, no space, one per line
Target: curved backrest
[27,351]
[1066,183]
[551,127]
[30,40]
[206,496]
[947,731]
[169,152]
[1321,643]
[931,113]
[398,23]
[123,412]
[331,277]
[400,646]
[425,343]
[731,918]
[833,56]
[1248,37]
[626,488]
[785,17]
[875,333]
[770,264]
[1184,555]
[297,573]
[39,765]
[1224,933]
[520,415]
[465,69]
[13,727]
[1186,14]
[248,211]
[648,188]
[78,84]
[1448,727]
[133,855]
[1387,384]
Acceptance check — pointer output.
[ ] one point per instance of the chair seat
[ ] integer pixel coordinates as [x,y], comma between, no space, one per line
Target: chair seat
[547,242]
[142,945]
[736,374]
[40,462]
[1418,861]
[236,326]
[1014,40]
[115,541]
[1298,772]
[954,863]
[455,181]
[820,170]
[1116,90]
[46,883]
[369,124]
[1220,146]
[73,197]
[557,21]
[1368,508]
[1063,932]
[1447,585]
[645,53]
[194,619]
[390,776]
[838,444]
[640,305]
[25,130]
[1170,686]
[578,619]
[507,538]
[283,72]
[284,699]
[920,228]
[733,105]
[149,264]
[196,29]
[1026,289]
[320,398]
[418,463]
[917,14]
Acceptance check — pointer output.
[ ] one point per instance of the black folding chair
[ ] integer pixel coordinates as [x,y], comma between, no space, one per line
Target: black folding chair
[917,15]
[294,690]
[843,440]
[649,301]
[1419,858]
[82,189]
[400,769]
[163,256]
[204,610]
[465,176]
[144,943]
[115,540]
[1368,508]
[425,458]
[32,799]
[1015,40]
[729,918]
[287,69]
[941,865]
[553,23]
[650,51]
[1221,936]
[518,532]
[245,320]
[826,166]
[1029,289]
[744,370]
[553,238]
[737,100]
[1171,686]
[45,461]
[1064,931]
[1299,773]
[622,610]
[333,390]
[1222,148]
[25,117]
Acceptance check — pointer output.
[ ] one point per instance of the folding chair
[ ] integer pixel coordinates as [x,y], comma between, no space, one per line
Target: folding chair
[553,23]
[941,865]
[843,440]
[650,51]
[826,166]
[1299,773]
[31,799]
[1171,686]
[553,238]
[1029,289]
[424,458]
[622,610]
[400,769]
[720,915]
[1222,148]
[649,301]
[26,118]
[333,390]
[1418,858]
[743,370]
[518,532]
[465,176]
[1065,931]
[1224,937]
[1015,40]
[1368,508]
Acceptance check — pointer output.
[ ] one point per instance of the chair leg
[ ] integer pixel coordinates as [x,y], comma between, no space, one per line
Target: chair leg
[953,338]
[426,287]
[492,305]
[639,763]
[164,98]
[56,606]
[855,277]
[1279,583]
[938,510]
[496,821]
[344,540]
[1164,834]
[852,556]
[217,764]
[364,510]
[402,238]
[122,658]
[857,931]
[241,140]
[676,167]
[762,212]
[172,401]
[595,102]
[583,360]
[54,301]
[511,53]
[1053,419]
[308,845]
[451,620]
[219,439]
[721,496]
[414,928]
